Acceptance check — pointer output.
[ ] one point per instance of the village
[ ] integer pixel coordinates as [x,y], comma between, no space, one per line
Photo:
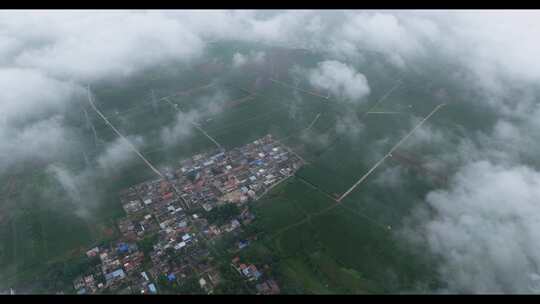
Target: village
[176,219]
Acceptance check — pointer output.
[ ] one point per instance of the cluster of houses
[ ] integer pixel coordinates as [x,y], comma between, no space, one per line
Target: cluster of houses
[118,266]
[237,175]
[171,209]
[251,273]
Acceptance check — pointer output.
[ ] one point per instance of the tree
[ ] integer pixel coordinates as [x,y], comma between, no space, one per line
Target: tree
[78,266]
[147,244]
[223,214]
[191,286]
[231,281]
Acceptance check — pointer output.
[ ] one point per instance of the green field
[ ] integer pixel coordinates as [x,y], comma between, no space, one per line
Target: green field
[40,228]
[344,250]
[337,251]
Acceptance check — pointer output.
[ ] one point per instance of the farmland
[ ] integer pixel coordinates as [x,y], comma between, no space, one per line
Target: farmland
[344,250]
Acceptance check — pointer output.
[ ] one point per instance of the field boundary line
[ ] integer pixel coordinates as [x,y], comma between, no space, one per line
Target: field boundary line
[132,147]
[389,153]
[364,177]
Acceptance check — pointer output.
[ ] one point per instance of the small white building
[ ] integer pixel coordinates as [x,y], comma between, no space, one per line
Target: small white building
[180,245]
[202,282]
[143,274]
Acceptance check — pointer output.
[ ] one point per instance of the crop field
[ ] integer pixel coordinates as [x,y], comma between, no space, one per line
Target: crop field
[33,234]
[347,249]
[350,243]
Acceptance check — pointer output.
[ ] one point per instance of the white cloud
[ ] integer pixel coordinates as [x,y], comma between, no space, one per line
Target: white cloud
[181,129]
[391,177]
[27,93]
[384,33]
[118,153]
[92,45]
[340,79]
[426,136]
[240,59]
[349,125]
[183,125]
[40,141]
[486,229]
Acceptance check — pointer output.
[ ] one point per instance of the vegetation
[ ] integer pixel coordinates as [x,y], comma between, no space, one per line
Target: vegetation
[231,281]
[188,286]
[222,214]
[146,245]
[339,251]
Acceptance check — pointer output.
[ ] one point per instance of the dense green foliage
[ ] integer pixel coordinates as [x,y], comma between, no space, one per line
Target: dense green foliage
[231,281]
[222,214]
[146,245]
[187,286]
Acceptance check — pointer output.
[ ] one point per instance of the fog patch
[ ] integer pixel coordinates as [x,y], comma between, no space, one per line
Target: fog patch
[318,140]
[28,94]
[349,125]
[427,137]
[118,153]
[74,186]
[240,60]
[184,123]
[391,177]
[341,80]
[43,140]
